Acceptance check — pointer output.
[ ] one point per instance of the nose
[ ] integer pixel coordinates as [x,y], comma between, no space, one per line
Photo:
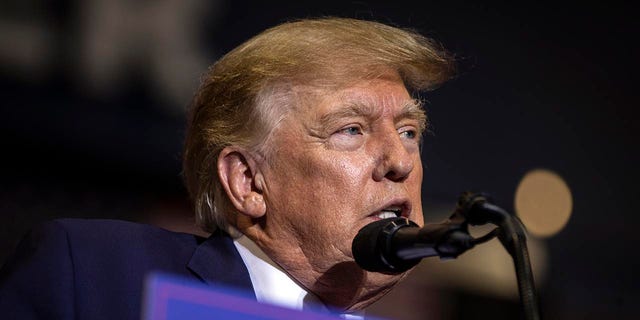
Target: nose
[395,161]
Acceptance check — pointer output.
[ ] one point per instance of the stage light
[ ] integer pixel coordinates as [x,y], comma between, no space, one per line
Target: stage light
[543,202]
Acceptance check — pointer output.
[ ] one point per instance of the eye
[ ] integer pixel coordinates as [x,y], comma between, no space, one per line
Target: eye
[352,131]
[349,137]
[410,134]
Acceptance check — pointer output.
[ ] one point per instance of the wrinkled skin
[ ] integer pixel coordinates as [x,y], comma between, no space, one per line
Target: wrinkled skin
[337,160]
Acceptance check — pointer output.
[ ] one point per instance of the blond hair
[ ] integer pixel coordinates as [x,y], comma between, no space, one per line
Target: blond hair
[245,93]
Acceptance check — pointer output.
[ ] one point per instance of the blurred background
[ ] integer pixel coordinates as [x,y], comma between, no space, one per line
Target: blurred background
[542,116]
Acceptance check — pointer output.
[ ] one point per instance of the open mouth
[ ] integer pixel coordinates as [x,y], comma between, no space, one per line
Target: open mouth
[392,211]
[389,212]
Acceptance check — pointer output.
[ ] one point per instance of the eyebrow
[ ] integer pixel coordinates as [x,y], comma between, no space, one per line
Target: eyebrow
[414,110]
[411,109]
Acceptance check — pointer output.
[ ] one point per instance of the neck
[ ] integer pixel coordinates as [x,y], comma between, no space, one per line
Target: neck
[343,287]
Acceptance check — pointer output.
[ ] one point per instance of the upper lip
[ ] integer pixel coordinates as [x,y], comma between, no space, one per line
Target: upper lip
[401,203]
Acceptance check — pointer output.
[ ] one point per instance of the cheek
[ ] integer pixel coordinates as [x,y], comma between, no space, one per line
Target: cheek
[328,173]
[415,185]
[321,195]
[336,187]
[316,182]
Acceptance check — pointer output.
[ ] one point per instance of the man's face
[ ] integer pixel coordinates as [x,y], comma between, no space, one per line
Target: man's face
[339,161]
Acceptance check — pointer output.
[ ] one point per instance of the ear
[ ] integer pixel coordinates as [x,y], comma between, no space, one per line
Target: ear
[241,180]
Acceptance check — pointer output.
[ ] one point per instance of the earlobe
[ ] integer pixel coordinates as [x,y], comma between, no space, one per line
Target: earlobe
[254,205]
[237,172]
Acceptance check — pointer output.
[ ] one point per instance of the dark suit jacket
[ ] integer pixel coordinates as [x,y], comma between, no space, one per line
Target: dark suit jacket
[95,269]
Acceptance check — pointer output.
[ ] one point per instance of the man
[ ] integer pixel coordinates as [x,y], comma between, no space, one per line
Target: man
[297,139]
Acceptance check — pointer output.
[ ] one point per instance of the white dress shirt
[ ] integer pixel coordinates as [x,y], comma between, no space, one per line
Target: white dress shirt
[272,285]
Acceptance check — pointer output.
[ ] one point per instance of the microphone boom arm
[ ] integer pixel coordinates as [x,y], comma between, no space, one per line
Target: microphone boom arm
[447,240]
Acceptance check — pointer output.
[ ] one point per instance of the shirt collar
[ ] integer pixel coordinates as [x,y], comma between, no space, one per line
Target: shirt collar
[274,286]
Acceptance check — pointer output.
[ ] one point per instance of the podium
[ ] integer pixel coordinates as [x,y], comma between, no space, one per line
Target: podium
[170,297]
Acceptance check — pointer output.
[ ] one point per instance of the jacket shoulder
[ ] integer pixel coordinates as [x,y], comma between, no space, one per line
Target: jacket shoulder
[123,245]
[89,268]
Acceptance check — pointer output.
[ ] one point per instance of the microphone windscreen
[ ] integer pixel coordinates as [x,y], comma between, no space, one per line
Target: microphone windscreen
[370,247]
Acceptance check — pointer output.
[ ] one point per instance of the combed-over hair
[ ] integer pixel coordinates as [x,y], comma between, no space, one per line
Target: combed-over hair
[243,95]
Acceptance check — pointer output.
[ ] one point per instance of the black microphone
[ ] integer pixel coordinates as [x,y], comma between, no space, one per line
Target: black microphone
[395,245]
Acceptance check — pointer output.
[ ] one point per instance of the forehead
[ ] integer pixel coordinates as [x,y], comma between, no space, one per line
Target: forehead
[369,96]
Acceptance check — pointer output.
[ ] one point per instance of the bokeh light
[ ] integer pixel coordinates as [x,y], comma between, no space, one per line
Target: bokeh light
[543,202]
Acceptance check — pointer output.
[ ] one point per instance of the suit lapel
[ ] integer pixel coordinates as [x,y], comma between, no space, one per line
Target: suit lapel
[217,262]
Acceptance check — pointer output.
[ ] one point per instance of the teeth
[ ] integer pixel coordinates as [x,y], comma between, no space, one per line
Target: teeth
[386,214]
[390,212]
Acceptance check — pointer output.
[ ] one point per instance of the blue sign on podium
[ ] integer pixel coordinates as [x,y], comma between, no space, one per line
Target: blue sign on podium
[169,297]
